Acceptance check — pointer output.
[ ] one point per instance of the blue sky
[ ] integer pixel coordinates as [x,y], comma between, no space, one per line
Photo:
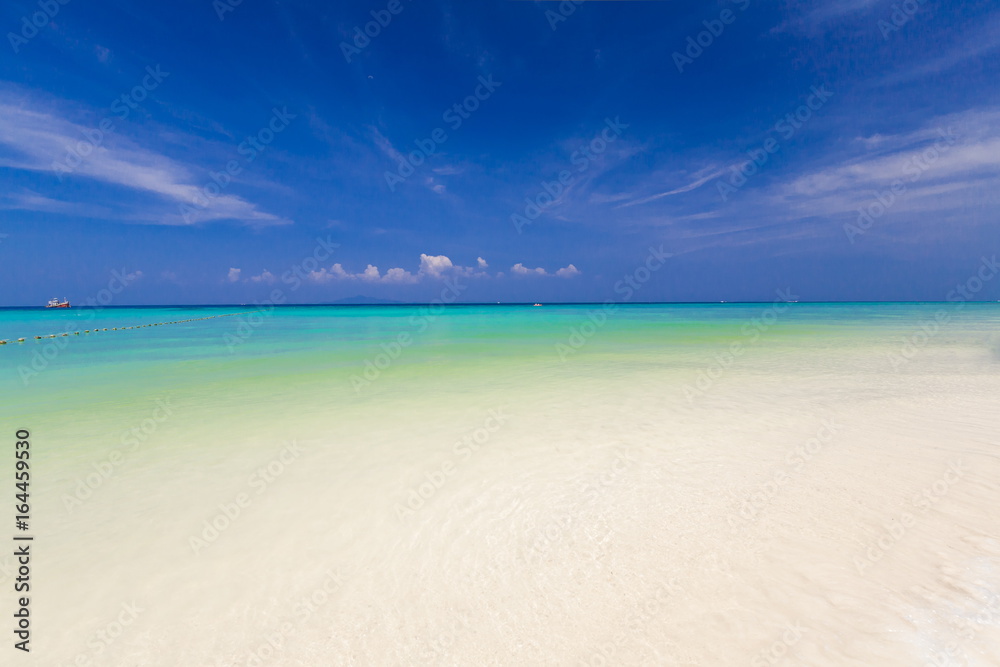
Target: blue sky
[845,151]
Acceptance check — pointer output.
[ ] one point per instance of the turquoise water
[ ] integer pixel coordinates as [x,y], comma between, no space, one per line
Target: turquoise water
[253,355]
[509,484]
[354,333]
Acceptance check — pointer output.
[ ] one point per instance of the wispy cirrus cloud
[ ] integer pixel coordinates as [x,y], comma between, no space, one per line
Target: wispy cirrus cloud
[29,200]
[385,146]
[35,139]
[969,45]
[813,17]
[700,177]
[948,155]
[943,166]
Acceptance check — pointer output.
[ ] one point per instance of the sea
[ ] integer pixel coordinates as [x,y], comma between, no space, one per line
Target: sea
[586,484]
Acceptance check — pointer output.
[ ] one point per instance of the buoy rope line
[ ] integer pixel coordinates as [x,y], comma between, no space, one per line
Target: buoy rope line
[135,326]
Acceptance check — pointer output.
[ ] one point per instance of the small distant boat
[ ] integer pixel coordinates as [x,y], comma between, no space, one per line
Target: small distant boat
[536,304]
[56,303]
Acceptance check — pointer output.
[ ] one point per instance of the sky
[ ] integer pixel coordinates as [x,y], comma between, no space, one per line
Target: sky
[227,151]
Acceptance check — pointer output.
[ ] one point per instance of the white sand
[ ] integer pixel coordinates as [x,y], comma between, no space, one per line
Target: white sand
[607,521]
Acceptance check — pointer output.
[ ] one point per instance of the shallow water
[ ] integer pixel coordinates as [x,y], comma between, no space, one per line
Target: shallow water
[512,485]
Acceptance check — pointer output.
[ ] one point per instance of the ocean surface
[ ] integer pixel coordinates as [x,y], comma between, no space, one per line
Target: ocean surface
[725,484]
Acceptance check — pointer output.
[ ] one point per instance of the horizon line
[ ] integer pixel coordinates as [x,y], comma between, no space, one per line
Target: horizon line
[492,303]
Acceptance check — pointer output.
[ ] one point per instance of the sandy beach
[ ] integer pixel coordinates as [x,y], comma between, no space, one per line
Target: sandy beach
[645,500]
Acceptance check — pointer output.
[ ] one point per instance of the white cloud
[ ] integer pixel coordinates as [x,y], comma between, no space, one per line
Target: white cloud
[29,200]
[970,45]
[371,274]
[700,178]
[951,155]
[325,275]
[435,265]
[812,17]
[337,270]
[398,275]
[568,271]
[265,277]
[234,275]
[39,139]
[385,146]
[522,270]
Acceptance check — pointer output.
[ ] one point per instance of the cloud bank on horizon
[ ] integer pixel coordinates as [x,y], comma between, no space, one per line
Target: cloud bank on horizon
[846,150]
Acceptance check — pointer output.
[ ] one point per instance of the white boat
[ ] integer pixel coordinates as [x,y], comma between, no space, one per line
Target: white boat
[56,303]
